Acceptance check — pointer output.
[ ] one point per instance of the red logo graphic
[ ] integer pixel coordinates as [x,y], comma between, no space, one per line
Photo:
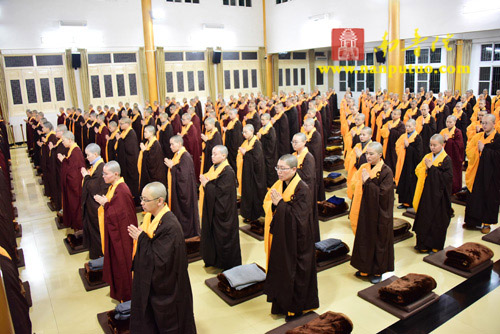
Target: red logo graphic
[348,44]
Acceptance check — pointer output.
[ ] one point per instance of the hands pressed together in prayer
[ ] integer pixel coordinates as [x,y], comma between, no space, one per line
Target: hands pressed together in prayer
[101,199]
[60,157]
[143,147]
[358,152]
[428,163]
[446,137]
[407,143]
[84,172]
[275,196]
[204,137]
[480,146]
[203,179]
[259,135]
[134,232]
[169,163]
[365,175]
[242,150]
[51,146]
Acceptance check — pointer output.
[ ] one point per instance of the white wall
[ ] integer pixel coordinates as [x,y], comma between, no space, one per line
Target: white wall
[28,25]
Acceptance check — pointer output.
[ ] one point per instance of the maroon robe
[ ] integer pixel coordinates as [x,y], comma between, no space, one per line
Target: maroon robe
[53,177]
[454,147]
[119,213]
[71,185]
[100,139]
[192,143]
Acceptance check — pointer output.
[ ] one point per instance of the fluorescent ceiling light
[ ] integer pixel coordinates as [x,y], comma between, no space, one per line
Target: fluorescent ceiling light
[73,23]
[478,6]
[212,26]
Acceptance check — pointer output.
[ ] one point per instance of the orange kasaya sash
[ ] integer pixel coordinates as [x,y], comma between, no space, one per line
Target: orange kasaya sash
[212,174]
[149,227]
[357,187]
[401,153]
[209,135]
[100,211]
[473,156]
[351,165]
[421,172]
[248,146]
[268,205]
[176,159]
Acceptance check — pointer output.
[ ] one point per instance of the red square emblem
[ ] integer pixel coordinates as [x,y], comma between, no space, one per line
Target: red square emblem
[348,44]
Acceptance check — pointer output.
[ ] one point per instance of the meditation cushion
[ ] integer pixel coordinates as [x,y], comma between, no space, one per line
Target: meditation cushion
[334,140]
[94,277]
[333,162]
[401,226]
[257,227]
[333,150]
[118,326]
[327,209]
[332,182]
[407,289]
[339,251]
[192,245]
[74,241]
[468,256]
[225,287]
[327,323]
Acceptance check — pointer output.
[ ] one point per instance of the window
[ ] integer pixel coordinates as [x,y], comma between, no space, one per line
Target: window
[191,56]
[174,56]
[287,77]
[319,77]
[424,56]
[180,81]
[15,86]
[489,72]
[108,85]
[96,89]
[245,78]
[369,58]
[254,78]
[236,79]
[285,56]
[370,81]
[359,81]
[99,58]
[18,61]
[201,80]
[190,75]
[302,76]
[436,56]
[120,84]
[45,86]
[227,79]
[410,57]
[281,1]
[185,1]
[435,80]
[124,58]
[31,90]
[59,84]
[241,3]
[132,84]
[280,80]
[230,55]
[427,58]
[170,82]
[295,76]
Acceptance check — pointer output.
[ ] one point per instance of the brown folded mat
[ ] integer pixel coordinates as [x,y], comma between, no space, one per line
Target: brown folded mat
[371,295]
[225,287]
[193,245]
[94,277]
[327,209]
[87,285]
[401,226]
[439,258]
[20,257]
[332,182]
[247,229]
[468,256]
[213,283]
[26,291]
[330,165]
[74,250]
[339,252]
[327,323]
[294,323]
[257,227]
[407,289]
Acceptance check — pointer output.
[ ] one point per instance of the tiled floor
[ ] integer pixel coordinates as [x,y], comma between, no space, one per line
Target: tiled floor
[61,304]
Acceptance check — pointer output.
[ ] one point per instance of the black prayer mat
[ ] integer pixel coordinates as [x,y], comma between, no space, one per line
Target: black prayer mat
[337,187]
[403,237]
[59,223]
[438,259]
[27,293]
[102,318]
[293,324]
[402,312]
[454,199]
[493,236]
[19,233]
[193,257]
[76,250]
[212,284]
[247,230]
[327,218]
[21,262]
[324,265]
[90,286]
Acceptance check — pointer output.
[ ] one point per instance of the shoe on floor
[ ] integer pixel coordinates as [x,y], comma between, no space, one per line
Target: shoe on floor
[486,229]
[402,206]
[375,279]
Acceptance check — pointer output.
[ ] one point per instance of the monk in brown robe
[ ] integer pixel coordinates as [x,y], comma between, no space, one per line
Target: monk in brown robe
[426,127]
[71,182]
[110,151]
[252,117]
[192,141]
[454,147]
[49,137]
[136,122]
[164,133]
[162,299]
[78,127]
[147,121]
[116,213]
[440,114]
[17,304]
[101,131]
[307,171]
[251,176]
[291,283]
[62,116]
[150,161]
[220,239]
[211,138]
[182,188]
[372,217]
[267,136]
[410,152]
[281,125]
[7,232]
[482,177]
[90,128]
[93,184]
[390,132]
[315,147]
[127,153]
[432,200]
[54,170]
[232,137]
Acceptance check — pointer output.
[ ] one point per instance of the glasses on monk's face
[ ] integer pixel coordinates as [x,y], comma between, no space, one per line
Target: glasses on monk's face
[281,169]
[145,200]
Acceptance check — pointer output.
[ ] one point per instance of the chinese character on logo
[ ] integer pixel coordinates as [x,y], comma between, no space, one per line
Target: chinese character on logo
[348,44]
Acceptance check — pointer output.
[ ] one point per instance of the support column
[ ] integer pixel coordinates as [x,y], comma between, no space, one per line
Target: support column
[458,63]
[395,58]
[149,46]
[268,90]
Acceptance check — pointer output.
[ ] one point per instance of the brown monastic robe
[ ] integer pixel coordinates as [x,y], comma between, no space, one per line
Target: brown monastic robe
[71,185]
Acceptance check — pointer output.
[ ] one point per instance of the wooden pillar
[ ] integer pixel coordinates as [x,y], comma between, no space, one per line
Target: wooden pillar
[395,58]
[149,46]
[458,63]
[268,90]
